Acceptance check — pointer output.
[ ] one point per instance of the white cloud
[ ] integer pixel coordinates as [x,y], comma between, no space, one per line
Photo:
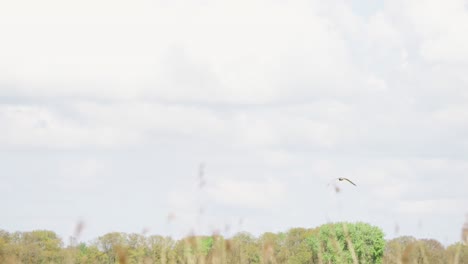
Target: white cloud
[112,125]
[441,26]
[40,127]
[146,118]
[84,124]
[81,177]
[283,129]
[201,53]
[455,115]
[377,83]
[381,31]
[432,206]
[265,194]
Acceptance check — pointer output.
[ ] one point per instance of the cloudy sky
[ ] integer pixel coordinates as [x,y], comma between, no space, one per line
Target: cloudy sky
[108,108]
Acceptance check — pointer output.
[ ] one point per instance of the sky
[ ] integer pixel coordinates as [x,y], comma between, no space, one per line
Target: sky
[180,117]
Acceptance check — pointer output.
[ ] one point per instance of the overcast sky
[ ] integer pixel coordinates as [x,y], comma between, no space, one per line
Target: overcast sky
[107,109]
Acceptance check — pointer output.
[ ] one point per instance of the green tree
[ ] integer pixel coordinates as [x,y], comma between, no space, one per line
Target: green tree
[217,254]
[5,246]
[243,249]
[457,253]
[395,248]
[194,249]
[206,243]
[408,249]
[182,250]
[38,246]
[295,246]
[138,250]
[89,254]
[432,250]
[161,249]
[271,245]
[347,243]
[112,245]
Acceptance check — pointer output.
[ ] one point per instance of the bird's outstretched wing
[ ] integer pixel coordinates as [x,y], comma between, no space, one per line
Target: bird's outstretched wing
[349,181]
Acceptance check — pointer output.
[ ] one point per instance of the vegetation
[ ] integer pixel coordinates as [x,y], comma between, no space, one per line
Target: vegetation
[329,243]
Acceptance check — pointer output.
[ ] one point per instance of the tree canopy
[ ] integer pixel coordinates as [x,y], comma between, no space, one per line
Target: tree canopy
[329,243]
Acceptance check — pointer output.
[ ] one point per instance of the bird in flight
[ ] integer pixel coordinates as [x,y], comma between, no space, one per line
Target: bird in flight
[346,179]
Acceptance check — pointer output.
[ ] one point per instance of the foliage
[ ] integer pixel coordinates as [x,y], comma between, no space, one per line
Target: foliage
[39,246]
[295,247]
[408,249]
[329,243]
[395,248]
[244,249]
[348,243]
[457,253]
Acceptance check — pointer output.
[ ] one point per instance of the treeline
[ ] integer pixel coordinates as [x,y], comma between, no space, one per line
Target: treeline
[329,243]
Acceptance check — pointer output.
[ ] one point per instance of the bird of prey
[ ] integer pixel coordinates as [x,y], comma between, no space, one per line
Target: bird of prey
[346,179]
